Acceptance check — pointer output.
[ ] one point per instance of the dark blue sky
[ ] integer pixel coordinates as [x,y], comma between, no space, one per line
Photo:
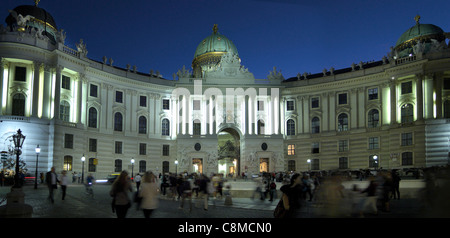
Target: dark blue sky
[294,36]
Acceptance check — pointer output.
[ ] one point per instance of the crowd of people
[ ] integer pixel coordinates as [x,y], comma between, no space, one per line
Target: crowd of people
[326,191]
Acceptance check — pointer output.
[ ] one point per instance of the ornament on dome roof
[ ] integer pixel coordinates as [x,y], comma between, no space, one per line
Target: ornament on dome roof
[215,29]
[417,18]
[36,2]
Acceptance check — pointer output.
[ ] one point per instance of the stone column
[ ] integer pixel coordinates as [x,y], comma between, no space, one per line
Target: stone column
[57,99]
[36,79]
[419,97]
[2,69]
[392,87]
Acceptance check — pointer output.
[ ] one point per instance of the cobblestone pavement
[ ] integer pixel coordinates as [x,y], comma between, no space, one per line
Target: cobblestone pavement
[80,205]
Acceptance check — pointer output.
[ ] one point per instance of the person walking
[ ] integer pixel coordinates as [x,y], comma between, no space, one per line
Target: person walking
[137,180]
[63,182]
[52,180]
[395,185]
[371,200]
[120,192]
[149,194]
[293,193]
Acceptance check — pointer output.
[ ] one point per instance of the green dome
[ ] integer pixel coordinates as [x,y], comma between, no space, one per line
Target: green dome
[419,32]
[210,51]
[216,42]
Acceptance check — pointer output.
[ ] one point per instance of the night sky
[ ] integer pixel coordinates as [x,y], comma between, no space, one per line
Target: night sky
[294,36]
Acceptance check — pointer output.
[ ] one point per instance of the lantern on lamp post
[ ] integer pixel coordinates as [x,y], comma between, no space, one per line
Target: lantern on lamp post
[18,139]
[38,151]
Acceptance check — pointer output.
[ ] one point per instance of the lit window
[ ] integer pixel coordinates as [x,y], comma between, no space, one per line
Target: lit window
[291,149]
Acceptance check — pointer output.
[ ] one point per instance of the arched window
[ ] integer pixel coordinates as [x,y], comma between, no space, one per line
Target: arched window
[118,121]
[165,127]
[315,125]
[142,125]
[290,127]
[373,118]
[92,117]
[407,113]
[343,122]
[261,127]
[64,111]
[18,105]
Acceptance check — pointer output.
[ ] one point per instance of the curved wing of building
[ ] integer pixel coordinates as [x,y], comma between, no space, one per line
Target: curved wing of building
[217,118]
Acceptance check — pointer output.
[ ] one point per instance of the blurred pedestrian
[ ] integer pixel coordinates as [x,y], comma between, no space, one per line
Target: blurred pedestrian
[186,192]
[395,185]
[137,180]
[149,193]
[63,182]
[371,199]
[273,190]
[120,192]
[52,180]
[293,192]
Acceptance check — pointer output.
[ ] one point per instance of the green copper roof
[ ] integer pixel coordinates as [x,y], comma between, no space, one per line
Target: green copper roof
[216,42]
[419,31]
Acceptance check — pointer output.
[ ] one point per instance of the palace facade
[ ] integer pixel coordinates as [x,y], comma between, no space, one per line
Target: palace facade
[216,116]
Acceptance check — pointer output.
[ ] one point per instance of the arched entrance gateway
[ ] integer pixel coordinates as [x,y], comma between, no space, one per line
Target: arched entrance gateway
[229,152]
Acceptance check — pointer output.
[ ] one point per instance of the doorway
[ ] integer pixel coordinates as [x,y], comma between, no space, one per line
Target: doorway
[264,165]
[197,165]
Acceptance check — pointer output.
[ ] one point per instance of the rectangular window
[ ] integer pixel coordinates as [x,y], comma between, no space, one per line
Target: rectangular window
[93,90]
[118,147]
[314,102]
[143,101]
[315,164]
[119,96]
[290,105]
[166,104]
[65,82]
[260,105]
[343,163]
[68,161]
[446,83]
[342,98]
[407,87]
[68,141]
[407,158]
[165,150]
[315,148]
[92,145]
[343,145]
[20,74]
[291,150]
[197,130]
[373,93]
[196,104]
[142,148]
[373,143]
[291,165]
[407,139]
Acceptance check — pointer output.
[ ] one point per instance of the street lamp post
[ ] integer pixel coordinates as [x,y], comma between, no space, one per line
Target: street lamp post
[309,164]
[38,150]
[176,166]
[18,138]
[15,206]
[82,169]
[132,168]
